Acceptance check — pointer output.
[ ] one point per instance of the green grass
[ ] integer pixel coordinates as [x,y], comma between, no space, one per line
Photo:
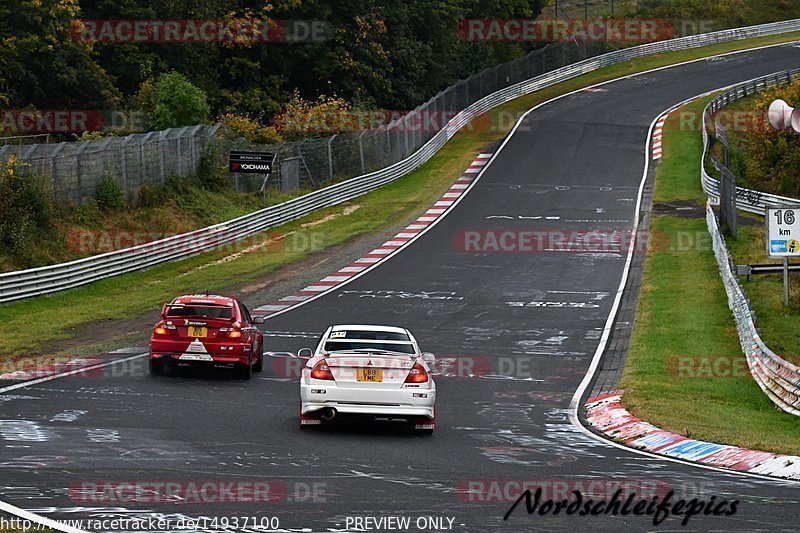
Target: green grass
[683,312]
[780,325]
[28,325]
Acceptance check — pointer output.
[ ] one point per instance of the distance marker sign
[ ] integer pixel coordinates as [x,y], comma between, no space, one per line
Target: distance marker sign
[783,232]
[250,162]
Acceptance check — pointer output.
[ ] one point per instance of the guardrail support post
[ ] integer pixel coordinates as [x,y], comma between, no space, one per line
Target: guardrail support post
[361,151]
[330,157]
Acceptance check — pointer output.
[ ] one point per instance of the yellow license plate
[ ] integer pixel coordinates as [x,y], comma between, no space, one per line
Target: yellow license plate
[199,332]
[369,374]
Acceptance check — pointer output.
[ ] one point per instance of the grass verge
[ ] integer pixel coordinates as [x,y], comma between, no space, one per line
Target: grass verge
[685,370]
[28,325]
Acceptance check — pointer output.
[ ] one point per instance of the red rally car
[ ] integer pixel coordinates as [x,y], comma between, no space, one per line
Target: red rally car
[207,329]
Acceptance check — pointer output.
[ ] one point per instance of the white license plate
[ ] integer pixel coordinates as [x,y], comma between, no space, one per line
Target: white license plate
[196,357]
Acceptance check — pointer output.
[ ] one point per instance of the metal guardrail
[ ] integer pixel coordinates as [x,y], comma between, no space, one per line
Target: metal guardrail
[750,270]
[54,278]
[746,199]
[778,378]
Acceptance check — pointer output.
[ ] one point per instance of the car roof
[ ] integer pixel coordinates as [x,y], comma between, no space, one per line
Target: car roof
[208,299]
[367,327]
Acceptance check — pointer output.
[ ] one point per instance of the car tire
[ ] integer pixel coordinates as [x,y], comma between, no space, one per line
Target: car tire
[259,366]
[156,367]
[247,369]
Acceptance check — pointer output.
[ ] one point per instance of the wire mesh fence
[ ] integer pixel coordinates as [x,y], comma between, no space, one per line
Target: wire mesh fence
[75,168]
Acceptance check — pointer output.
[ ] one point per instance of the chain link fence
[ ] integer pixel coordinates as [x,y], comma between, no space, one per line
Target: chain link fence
[344,155]
[75,168]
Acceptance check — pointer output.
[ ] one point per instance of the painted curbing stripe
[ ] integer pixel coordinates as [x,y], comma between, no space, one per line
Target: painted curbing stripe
[345,274]
[295,298]
[484,156]
[607,415]
[271,307]
[334,278]
[352,269]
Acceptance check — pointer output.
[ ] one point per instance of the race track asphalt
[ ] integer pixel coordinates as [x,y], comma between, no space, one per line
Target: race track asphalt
[527,322]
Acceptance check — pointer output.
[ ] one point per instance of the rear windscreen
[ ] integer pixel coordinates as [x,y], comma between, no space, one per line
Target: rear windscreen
[198,310]
[335,345]
[369,335]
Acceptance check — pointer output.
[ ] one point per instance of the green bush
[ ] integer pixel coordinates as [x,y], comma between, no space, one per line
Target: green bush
[212,174]
[109,195]
[762,158]
[26,207]
[87,213]
[176,102]
[151,195]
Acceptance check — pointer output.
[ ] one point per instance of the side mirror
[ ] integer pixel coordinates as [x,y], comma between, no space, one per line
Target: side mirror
[429,358]
[259,320]
[305,353]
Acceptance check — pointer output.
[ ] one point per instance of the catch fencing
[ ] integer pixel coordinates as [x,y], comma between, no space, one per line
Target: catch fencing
[74,169]
[54,278]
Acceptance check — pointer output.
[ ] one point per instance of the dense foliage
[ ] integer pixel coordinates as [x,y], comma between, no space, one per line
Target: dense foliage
[382,53]
[762,158]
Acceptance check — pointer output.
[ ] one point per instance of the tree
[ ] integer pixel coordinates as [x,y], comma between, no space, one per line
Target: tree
[177,102]
[43,66]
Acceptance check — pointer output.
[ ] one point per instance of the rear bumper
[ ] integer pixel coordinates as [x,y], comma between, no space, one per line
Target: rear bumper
[360,401]
[238,355]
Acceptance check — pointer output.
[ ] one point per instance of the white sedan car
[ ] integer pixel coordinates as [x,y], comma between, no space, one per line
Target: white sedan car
[375,371]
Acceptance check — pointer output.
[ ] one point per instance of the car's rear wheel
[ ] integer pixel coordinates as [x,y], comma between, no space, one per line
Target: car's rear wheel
[156,367]
[247,369]
[259,366]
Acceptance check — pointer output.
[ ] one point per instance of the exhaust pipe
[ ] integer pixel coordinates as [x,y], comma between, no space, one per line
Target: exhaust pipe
[329,413]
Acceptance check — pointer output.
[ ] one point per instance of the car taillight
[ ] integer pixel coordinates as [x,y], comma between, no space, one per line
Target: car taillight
[417,374]
[162,328]
[321,371]
[234,334]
